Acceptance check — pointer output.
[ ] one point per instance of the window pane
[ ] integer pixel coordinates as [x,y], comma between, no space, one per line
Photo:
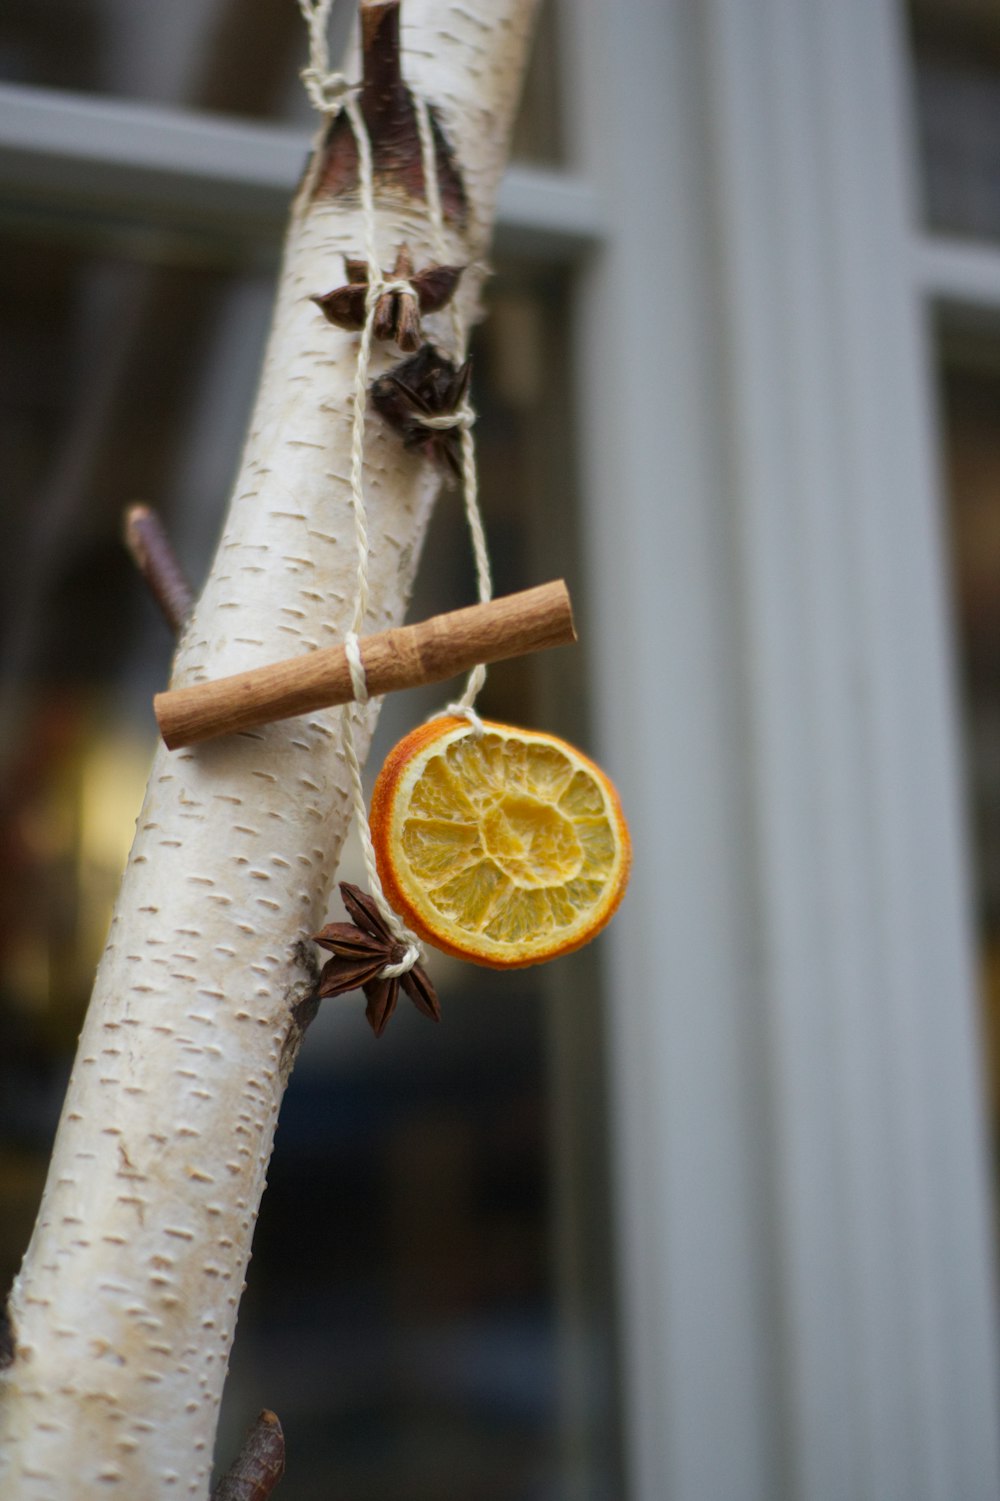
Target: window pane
[971,403]
[225,55]
[957,51]
[441,1195]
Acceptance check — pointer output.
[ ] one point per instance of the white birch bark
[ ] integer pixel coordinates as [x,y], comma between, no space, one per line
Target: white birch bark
[124,1310]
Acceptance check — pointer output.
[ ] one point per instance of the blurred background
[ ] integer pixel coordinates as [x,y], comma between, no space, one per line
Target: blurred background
[707,1210]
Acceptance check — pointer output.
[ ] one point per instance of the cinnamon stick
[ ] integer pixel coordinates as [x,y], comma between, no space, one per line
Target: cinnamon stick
[406,657]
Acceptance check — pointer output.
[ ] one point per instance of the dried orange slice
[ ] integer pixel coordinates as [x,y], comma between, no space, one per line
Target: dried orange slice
[507,848]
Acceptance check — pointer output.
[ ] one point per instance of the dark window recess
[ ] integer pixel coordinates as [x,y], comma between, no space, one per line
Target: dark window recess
[956,49]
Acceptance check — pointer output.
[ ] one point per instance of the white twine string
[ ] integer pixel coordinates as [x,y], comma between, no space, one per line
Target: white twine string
[356,667]
[326,88]
[329,92]
[462,419]
[376,288]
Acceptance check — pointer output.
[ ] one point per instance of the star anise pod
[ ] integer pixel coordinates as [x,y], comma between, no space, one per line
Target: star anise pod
[397,314]
[361,950]
[428,384]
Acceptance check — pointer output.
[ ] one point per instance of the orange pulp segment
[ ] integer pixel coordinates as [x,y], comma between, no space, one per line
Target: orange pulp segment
[507,848]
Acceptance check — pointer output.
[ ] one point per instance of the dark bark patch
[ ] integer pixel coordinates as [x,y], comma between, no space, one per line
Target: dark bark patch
[302,1009]
[397,160]
[7,1342]
[391,119]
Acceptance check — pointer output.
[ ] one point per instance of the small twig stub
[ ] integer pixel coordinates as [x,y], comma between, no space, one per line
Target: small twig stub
[259,1465]
[153,555]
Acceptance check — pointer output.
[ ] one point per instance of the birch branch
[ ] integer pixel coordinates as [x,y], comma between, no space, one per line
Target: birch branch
[123,1313]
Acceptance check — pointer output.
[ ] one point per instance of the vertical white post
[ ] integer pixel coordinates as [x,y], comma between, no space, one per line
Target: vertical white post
[660,621]
[807,1295]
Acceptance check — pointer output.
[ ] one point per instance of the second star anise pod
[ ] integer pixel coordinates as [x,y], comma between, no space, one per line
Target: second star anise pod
[428,384]
[361,950]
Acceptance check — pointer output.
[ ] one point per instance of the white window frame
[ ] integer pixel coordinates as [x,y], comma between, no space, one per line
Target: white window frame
[116,159]
[802,1190]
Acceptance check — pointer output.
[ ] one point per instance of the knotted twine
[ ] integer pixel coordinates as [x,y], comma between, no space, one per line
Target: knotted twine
[330,92]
